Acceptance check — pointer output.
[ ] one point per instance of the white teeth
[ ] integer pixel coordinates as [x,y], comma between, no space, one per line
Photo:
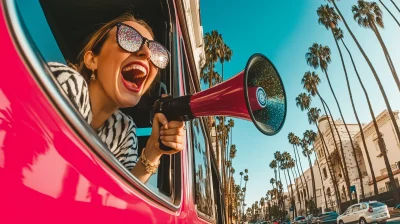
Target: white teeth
[135,66]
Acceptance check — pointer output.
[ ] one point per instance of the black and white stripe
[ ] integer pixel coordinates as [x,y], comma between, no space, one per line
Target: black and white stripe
[118,132]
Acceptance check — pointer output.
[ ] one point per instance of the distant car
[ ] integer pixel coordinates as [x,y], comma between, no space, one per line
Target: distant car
[276,221]
[299,220]
[365,212]
[327,218]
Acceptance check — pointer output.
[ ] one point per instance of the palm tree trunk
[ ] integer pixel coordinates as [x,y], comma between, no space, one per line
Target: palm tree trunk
[390,12]
[297,189]
[387,163]
[302,171]
[281,196]
[376,193]
[322,182]
[312,179]
[291,189]
[395,5]
[343,164]
[284,174]
[244,196]
[298,171]
[355,114]
[387,55]
[325,150]
[397,199]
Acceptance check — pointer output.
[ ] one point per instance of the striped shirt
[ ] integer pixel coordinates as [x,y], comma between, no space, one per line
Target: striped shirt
[118,132]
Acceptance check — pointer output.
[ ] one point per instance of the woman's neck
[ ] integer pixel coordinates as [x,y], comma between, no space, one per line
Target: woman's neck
[102,106]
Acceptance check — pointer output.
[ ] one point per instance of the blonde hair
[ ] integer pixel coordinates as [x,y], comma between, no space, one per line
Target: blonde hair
[97,40]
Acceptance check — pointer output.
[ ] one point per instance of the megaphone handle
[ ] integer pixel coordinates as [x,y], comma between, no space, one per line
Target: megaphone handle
[162,146]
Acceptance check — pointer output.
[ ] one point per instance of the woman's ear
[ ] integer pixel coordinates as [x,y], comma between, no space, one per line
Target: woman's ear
[90,60]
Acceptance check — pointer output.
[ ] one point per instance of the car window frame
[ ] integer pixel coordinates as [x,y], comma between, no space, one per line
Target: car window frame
[188,87]
[43,77]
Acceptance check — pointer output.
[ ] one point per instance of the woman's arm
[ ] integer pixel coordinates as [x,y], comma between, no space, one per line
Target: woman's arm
[172,134]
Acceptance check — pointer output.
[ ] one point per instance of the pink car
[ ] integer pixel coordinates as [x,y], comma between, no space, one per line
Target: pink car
[53,167]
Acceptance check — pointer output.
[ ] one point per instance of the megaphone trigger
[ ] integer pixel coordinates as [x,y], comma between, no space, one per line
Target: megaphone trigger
[174,109]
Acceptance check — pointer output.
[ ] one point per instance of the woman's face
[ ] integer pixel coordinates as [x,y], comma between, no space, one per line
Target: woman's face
[125,76]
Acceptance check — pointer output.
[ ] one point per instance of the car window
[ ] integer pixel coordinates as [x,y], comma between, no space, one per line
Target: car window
[364,206]
[349,210]
[203,190]
[376,204]
[356,208]
[41,25]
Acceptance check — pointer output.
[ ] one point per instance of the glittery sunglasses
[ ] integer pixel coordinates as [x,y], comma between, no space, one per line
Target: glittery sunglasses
[132,41]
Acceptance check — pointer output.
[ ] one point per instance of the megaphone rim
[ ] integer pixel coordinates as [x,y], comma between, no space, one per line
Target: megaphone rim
[246,95]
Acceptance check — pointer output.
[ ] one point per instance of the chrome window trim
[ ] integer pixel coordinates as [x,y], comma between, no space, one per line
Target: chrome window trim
[47,84]
[200,213]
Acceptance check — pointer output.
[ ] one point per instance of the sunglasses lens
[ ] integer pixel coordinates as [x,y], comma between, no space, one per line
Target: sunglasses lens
[129,39]
[159,55]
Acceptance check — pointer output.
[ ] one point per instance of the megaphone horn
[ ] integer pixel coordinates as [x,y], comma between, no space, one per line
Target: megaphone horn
[256,94]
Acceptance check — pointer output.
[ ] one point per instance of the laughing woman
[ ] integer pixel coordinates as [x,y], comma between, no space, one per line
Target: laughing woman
[115,68]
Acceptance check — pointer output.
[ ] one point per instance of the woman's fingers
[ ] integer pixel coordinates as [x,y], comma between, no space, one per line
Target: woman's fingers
[176,146]
[172,138]
[174,131]
[176,124]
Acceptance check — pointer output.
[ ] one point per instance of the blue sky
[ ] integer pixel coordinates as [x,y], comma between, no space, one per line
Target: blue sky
[283,31]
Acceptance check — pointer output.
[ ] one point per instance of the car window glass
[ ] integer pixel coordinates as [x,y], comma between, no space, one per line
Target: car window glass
[42,29]
[356,208]
[364,206]
[376,204]
[203,190]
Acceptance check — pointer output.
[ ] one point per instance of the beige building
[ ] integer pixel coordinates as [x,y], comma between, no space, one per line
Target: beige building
[334,141]
[301,194]
[393,151]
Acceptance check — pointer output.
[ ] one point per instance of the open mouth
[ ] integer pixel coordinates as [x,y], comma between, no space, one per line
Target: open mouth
[133,76]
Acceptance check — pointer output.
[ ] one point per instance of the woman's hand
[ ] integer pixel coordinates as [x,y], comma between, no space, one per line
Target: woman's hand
[171,133]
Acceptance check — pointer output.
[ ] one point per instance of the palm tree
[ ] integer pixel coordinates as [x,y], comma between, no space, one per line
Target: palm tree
[390,12]
[291,166]
[278,158]
[310,82]
[319,56]
[311,137]
[378,81]
[295,141]
[289,163]
[226,55]
[329,18]
[369,15]
[212,45]
[313,117]
[339,35]
[307,152]
[246,178]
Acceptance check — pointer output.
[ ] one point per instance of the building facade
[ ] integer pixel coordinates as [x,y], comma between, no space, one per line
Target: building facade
[328,148]
[392,149]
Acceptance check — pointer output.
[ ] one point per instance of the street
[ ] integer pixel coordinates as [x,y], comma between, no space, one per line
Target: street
[394,220]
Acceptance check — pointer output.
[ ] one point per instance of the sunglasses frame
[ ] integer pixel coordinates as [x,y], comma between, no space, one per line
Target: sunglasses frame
[144,40]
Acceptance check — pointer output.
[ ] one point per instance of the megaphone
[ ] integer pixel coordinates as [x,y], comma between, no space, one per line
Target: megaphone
[255,94]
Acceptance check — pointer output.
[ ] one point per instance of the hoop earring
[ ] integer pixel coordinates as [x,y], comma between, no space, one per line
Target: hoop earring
[92,77]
